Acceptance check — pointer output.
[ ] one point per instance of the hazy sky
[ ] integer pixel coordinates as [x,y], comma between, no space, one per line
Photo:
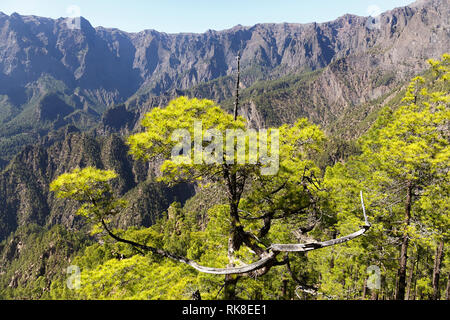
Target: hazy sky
[196,15]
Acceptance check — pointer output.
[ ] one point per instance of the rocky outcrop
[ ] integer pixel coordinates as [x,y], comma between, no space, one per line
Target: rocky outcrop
[24,184]
[93,68]
[358,61]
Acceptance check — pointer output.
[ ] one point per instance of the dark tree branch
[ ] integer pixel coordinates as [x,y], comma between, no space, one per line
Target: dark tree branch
[260,267]
[236,102]
[317,245]
[308,289]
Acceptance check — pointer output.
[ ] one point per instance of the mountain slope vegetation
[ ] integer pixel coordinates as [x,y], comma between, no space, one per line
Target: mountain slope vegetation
[88,70]
[71,98]
[415,136]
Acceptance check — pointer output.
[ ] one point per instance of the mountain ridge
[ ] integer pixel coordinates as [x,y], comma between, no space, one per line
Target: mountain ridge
[157,61]
[67,99]
[96,68]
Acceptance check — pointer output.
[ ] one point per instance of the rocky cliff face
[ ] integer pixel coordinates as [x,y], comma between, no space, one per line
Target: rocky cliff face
[24,184]
[357,61]
[89,69]
[57,83]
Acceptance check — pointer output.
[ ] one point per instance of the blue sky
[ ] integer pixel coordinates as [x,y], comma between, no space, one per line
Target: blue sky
[196,15]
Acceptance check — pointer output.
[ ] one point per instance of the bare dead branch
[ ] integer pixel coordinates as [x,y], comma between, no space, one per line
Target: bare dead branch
[302,247]
[267,261]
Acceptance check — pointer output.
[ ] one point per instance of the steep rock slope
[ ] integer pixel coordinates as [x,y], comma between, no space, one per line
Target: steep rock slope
[88,69]
[24,183]
[367,62]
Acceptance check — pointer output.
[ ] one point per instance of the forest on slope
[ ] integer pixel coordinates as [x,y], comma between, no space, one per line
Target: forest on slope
[73,99]
[401,164]
[52,76]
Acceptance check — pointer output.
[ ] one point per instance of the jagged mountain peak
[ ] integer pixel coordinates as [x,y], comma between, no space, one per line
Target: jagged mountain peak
[92,69]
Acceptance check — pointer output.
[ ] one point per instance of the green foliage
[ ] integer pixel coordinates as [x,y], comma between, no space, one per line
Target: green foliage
[114,271]
[180,114]
[91,187]
[179,232]
[408,146]
[33,258]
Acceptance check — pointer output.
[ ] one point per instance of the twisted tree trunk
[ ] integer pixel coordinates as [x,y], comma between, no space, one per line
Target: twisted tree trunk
[411,275]
[437,270]
[401,280]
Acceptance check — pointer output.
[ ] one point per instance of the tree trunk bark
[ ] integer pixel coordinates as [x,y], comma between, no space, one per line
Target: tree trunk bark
[374,294]
[196,295]
[401,281]
[284,290]
[230,287]
[411,276]
[437,270]
[236,102]
[231,280]
[448,288]
[364,292]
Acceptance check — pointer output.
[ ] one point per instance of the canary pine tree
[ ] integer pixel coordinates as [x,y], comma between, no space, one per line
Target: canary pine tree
[404,168]
[265,200]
